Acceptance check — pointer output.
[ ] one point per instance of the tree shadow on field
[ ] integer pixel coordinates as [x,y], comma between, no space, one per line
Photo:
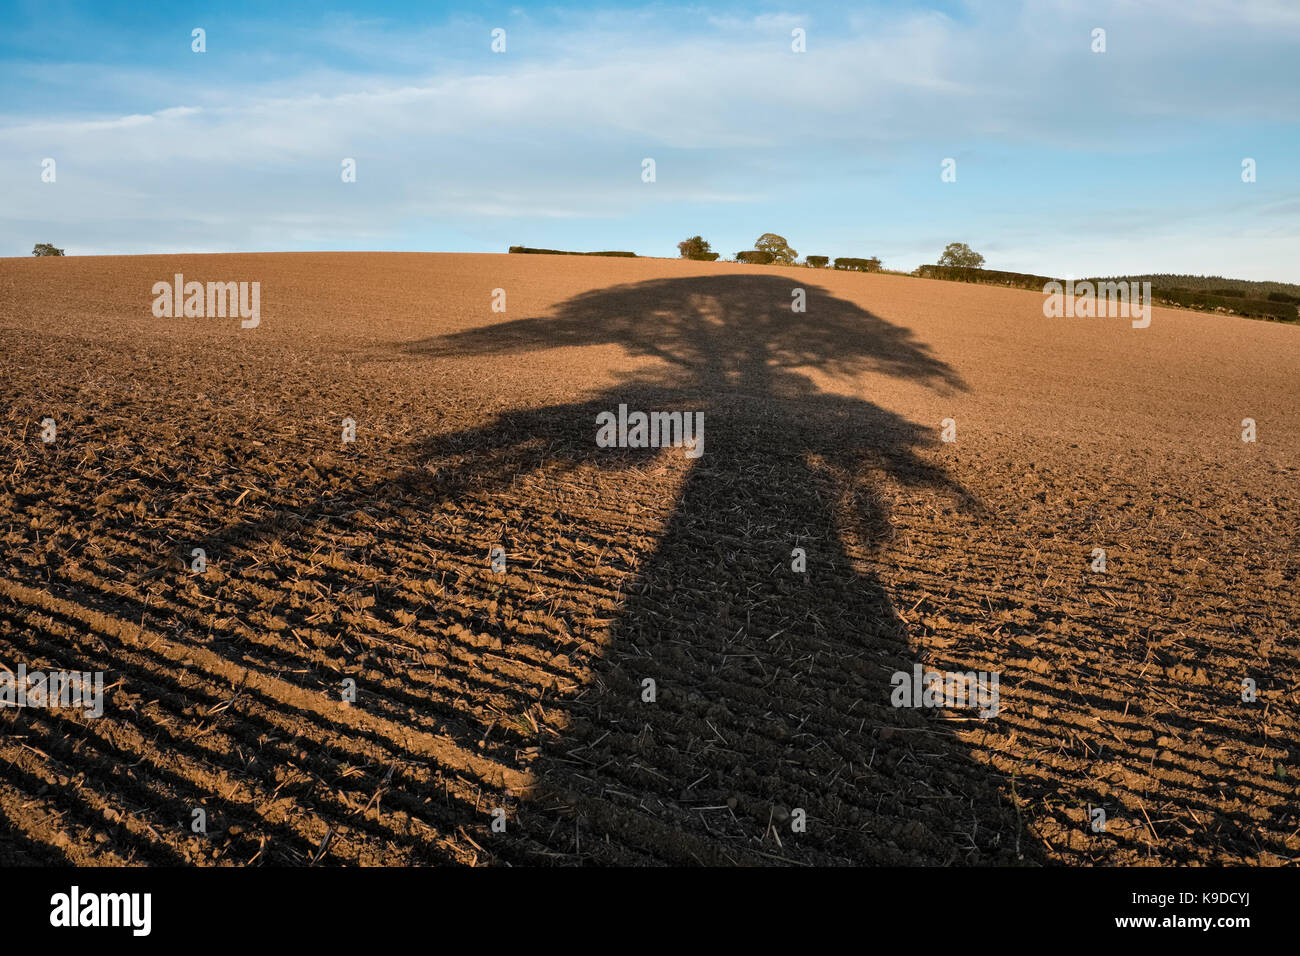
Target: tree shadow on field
[772,687]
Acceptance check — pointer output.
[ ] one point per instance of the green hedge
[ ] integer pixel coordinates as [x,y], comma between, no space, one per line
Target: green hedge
[858,265]
[755,257]
[1255,308]
[704,257]
[1014,280]
[562,252]
[817,262]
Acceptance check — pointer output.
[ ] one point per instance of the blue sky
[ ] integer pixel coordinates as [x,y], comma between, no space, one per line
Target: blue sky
[1068,162]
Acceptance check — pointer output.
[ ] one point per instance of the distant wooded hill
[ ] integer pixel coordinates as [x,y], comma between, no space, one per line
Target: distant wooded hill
[1279,301]
[1216,285]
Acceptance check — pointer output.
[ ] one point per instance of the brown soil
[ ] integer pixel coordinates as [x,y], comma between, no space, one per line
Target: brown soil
[522,690]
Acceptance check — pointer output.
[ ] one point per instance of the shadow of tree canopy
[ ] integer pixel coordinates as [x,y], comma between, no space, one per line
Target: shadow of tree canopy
[730,332]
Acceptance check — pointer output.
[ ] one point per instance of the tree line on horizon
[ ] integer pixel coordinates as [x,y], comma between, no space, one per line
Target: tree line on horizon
[1279,301]
[773,249]
[959,262]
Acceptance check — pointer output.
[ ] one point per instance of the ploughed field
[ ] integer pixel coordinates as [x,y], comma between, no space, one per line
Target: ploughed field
[503,714]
